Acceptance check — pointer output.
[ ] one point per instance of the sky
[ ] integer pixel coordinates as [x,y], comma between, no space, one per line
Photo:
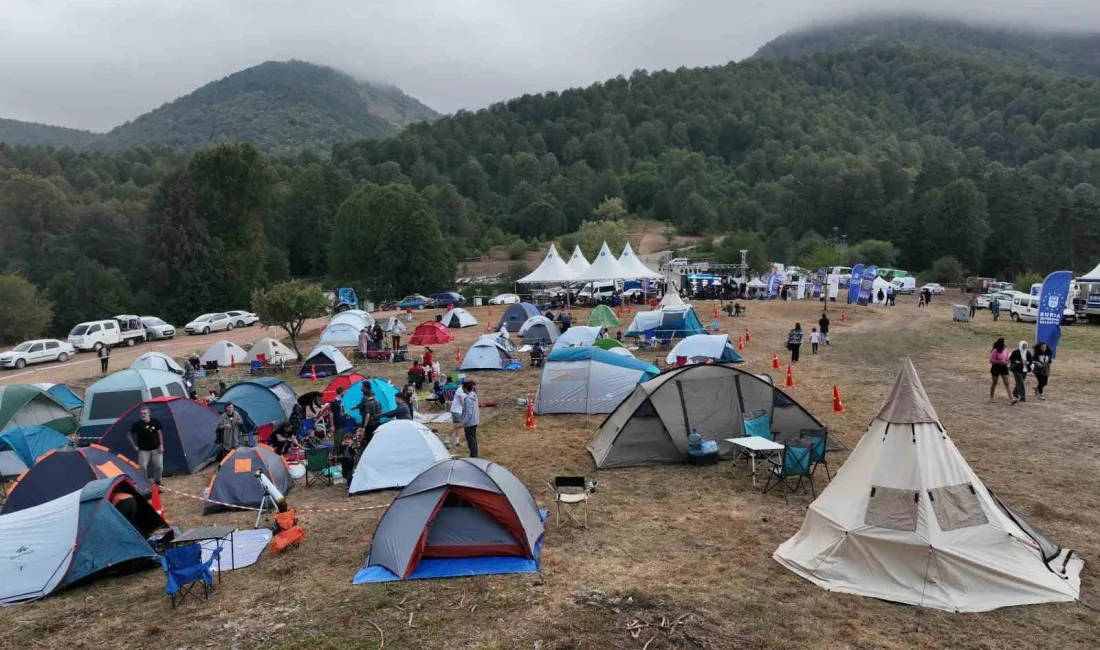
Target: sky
[94,64]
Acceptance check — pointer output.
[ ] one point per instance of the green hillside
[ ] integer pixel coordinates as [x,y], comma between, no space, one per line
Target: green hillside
[1069,53]
[15,132]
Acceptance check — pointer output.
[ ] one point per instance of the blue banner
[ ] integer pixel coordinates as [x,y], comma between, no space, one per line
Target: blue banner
[853,283]
[867,285]
[819,279]
[773,285]
[1052,306]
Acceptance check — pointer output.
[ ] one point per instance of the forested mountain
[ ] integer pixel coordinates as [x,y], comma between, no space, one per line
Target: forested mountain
[281,107]
[942,156]
[1070,53]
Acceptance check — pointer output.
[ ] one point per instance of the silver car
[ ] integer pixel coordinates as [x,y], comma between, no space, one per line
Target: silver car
[37,351]
[214,322]
[156,329]
[242,318]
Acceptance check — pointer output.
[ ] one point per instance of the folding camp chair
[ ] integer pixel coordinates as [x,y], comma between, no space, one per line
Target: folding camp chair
[184,567]
[666,341]
[571,492]
[819,444]
[757,423]
[211,367]
[793,464]
[316,466]
[255,368]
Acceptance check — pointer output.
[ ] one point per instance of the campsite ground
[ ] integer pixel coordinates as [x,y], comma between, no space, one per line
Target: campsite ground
[674,557]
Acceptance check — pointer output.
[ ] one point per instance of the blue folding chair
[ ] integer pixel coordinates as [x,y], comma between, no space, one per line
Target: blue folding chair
[757,423]
[794,464]
[184,568]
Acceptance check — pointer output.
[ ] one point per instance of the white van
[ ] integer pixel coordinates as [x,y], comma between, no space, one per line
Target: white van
[597,291]
[93,335]
[907,284]
[1025,309]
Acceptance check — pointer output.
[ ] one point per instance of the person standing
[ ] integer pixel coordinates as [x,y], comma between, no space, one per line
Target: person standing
[369,410]
[336,410]
[396,332]
[456,415]
[815,338]
[471,416]
[823,325]
[972,305]
[998,368]
[148,440]
[364,341]
[345,454]
[794,341]
[429,358]
[1019,362]
[995,308]
[1041,360]
[229,430]
[104,355]
[377,335]
[401,411]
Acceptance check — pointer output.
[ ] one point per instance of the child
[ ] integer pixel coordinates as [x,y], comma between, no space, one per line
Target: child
[815,338]
[286,528]
[346,455]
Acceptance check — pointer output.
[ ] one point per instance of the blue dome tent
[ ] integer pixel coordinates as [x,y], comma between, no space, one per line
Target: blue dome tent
[383,391]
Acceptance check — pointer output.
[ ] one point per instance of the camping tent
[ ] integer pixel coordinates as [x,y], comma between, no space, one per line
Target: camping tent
[671,299]
[288,399]
[577,263]
[225,353]
[270,348]
[189,430]
[235,482]
[343,381]
[26,404]
[617,349]
[399,451]
[388,323]
[263,405]
[64,394]
[488,353]
[61,471]
[604,317]
[107,399]
[356,317]
[459,317]
[324,361]
[699,348]
[73,538]
[651,426]
[461,516]
[516,315]
[578,336]
[431,333]
[552,270]
[604,267]
[344,328]
[635,267]
[23,445]
[157,361]
[384,393]
[539,328]
[666,322]
[588,380]
[907,520]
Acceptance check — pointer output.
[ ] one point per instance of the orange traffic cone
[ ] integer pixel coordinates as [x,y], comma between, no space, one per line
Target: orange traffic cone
[312,372]
[790,378]
[233,362]
[740,344]
[155,501]
[775,361]
[458,355]
[748,337]
[838,406]
[843,316]
[530,421]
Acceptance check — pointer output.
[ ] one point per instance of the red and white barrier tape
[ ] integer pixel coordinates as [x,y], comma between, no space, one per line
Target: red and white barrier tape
[239,507]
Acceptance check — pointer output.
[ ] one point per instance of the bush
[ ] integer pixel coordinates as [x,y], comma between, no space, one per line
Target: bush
[517,250]
[1024,281]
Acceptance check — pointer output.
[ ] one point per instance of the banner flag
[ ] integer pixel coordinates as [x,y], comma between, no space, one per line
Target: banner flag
[867,285]
[819,278]
[854,282]
[1052,306]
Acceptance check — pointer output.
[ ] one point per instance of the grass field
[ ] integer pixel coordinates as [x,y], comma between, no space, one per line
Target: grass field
[675,557]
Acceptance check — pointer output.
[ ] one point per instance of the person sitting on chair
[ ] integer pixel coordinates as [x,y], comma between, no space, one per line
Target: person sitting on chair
[313,440]
[282,440]
[417,374]
[538,354]
[286,529]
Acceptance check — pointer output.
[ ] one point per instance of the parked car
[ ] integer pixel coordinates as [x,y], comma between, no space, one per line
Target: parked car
[37,351]
[933,288]
[505,299]
[1004,299]
[156,329]
[207,323]
[1025,309]
[906,285]
[415,301]
[242,318]
[446,299]
[120,330]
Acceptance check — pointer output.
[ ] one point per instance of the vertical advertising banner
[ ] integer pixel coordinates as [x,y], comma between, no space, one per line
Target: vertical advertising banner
[833,287]
[854,282]
[867,285]
[819,278]
[1052,306]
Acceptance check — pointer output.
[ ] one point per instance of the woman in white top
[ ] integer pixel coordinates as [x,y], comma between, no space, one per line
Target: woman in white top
[456,416]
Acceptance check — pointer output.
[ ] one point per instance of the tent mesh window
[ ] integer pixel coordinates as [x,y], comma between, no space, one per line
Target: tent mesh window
[892,508]
[957,506]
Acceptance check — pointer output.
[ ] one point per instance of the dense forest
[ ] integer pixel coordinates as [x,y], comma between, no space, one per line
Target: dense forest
[941,156]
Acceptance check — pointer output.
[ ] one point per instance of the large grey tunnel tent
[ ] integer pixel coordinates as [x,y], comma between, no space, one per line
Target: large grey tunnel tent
[651,426]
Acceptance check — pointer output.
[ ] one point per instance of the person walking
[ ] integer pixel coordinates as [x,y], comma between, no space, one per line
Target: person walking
[972,305]
[794,341]
[995,308]
[104,355]
[1019,363]
[471,416]
[1040,365]
[147,437]
[823,325]
[998,368]
[456,415]
[229,430]
[815,338]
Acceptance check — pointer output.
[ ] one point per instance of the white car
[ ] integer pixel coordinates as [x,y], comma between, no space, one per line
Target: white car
[933,288]
[209,323]
[242,318]
[37,351]
[505,299]
[1003,299]
[157,329]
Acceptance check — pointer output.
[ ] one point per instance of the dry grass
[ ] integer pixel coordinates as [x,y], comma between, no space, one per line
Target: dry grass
[675,557]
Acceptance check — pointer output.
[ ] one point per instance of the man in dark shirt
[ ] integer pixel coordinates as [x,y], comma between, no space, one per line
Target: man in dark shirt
[148,440]
[401,411]
[336,408]
[823,325]
[369,411]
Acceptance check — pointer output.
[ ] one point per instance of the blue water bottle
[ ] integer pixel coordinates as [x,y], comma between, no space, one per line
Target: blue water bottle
[695,441]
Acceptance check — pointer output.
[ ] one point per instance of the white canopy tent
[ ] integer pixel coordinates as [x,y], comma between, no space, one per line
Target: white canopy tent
[552,270]
[880,284]
[756,283]
[1091,276]
[606,267]
[577,263]
[634,266]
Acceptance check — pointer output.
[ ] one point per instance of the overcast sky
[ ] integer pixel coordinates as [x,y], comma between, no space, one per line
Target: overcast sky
[93,64]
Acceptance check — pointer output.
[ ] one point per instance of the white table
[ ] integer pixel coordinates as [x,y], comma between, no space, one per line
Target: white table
[753,445]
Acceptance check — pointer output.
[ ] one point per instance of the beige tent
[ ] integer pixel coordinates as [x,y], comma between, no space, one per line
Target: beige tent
[907,520]
[270,348]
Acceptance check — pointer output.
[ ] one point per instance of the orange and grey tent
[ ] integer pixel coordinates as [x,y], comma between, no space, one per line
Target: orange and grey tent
[61,471]
[236,484]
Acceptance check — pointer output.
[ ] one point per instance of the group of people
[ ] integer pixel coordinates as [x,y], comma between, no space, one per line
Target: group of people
[1020,363]
[994,307]
[818,336]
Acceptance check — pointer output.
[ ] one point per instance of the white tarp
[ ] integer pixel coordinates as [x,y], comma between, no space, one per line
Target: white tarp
[605,267]
[226,353]
[634,266]
[157,361]
[700,346]
[552,270]
[578,335]
[399,451]
[577,263]
[248,546]
[36,548]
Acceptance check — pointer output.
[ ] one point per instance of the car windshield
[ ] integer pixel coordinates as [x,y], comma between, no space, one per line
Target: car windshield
[22,347]
[234,313]
[204,317]
[150,321]
[79,330]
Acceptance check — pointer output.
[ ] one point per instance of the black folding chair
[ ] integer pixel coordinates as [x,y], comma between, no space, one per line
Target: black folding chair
[211,367]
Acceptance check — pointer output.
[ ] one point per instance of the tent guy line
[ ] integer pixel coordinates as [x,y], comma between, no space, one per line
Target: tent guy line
[239,507]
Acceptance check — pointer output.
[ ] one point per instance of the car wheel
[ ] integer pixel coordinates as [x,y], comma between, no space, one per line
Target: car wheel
[148,337]
[130,342]
[229,327]
[97,347]
[63,357]
[20,364]
[1015,318]
[206,330]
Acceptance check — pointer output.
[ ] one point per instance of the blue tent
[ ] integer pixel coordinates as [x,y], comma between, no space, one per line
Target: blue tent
[666,322]
[588,380]
[31,441]
[72,539]
[516,315]
[262,403]
[384,392]
[62,393]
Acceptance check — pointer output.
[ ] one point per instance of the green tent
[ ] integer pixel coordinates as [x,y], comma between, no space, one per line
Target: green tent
[607,344]
[602,315]
[23,404]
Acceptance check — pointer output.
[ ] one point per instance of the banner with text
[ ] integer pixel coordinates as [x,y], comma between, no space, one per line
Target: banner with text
[854,283]
[867,285]
[1052,306]
[819,279]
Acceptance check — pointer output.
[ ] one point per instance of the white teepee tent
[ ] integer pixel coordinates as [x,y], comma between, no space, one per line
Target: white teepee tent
[552,270]
[907,520]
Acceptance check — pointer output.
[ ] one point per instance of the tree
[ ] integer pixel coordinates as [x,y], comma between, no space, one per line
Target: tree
[947,270]
[289,305]
[1024,281]
[593,234]
[780,244]
[611,209]
[24,313]
[729,251]
[515,271]
[517,250]
[823,256]
[874,251]
[87,290]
